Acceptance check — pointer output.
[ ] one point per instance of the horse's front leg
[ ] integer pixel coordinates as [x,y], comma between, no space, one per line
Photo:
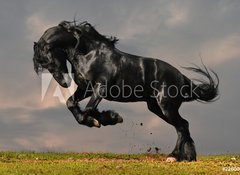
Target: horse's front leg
[73,106]
[106,117]
[98,92]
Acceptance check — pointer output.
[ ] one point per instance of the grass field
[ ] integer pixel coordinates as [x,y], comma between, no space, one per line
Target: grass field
[106,163]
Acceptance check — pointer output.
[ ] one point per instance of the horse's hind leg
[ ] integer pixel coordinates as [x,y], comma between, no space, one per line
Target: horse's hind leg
[168,111]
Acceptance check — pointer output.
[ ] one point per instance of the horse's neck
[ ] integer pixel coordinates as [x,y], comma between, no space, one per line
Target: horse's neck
[81,62]
[93,45]
[93,49]
[70,54]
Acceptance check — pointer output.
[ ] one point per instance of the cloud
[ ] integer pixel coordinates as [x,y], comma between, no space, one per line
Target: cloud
[223,49]
[140,21]
[173,31]
[45,141]
[12,114]
[146,19]
[178,15]
[154,123]
[37,23]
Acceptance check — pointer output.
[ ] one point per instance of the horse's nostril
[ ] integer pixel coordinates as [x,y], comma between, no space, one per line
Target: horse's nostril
[67,79]
[65,85]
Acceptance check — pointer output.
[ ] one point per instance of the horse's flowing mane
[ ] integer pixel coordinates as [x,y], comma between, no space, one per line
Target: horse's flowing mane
[111,40]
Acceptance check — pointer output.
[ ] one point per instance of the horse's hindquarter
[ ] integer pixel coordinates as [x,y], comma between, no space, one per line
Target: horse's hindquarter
[148,73]
[164,74]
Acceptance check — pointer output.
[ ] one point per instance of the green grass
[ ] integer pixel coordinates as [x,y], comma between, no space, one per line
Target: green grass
[107,163]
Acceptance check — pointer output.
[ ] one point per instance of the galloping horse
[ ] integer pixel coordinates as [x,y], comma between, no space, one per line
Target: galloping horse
[112,74]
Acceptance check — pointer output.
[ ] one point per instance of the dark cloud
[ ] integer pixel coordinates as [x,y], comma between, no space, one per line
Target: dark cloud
[175,31]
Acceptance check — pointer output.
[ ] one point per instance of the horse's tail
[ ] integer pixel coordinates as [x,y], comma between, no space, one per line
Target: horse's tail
[204,91]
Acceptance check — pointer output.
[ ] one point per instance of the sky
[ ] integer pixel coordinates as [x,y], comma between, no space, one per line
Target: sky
[177,31]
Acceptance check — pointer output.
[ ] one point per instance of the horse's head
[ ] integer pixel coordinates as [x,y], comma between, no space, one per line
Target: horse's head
[60,43]
[50,53]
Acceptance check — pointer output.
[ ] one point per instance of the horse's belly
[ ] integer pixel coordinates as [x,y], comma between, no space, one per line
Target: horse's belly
[125,93]
[128,99]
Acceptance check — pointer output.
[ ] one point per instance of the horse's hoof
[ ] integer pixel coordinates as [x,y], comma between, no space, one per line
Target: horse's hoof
[119,119]
[91,122]
[109,118]
[171,159]
[96,123]
[116,117]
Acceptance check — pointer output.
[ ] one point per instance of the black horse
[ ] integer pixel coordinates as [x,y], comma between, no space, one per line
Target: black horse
[102,71]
